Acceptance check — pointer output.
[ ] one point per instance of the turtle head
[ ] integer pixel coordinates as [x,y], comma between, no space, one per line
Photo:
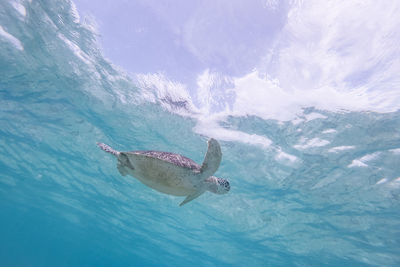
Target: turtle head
[218,185]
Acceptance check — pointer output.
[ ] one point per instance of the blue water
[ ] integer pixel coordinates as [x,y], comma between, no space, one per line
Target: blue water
[63,202]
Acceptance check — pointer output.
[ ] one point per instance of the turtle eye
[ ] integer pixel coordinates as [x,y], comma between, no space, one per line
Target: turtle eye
[227,185]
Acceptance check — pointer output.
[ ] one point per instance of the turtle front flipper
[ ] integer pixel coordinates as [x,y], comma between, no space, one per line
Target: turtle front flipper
[211,160]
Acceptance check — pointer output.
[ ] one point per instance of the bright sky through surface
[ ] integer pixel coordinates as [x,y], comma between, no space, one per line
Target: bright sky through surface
[183,38]
[263,58]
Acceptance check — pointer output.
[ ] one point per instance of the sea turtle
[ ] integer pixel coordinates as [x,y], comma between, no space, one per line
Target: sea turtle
[172,173]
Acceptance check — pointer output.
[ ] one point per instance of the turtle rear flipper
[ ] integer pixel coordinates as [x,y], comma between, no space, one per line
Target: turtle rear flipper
[121,169]
[192,196]
[108,149]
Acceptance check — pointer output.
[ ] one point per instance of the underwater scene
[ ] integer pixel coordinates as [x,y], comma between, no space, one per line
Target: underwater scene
[311,149]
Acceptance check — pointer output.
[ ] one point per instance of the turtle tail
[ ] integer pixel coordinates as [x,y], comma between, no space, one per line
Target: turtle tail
[108,149]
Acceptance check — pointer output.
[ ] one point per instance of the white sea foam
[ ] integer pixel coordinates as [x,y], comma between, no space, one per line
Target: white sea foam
[315,142]
[361,162]
[10,38]
[285,156]
[357,163]
[340,148]
[327,131]
[215,92]
[395,151]
[307,118]
[255,95]
[76,49]
[314,116]
[370,157]
[74,12]
[20,8]
[209,126]
[297,121]
[174,96]
[382,181]
[395,182]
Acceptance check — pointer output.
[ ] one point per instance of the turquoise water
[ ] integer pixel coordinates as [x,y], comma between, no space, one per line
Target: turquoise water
[326,192]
